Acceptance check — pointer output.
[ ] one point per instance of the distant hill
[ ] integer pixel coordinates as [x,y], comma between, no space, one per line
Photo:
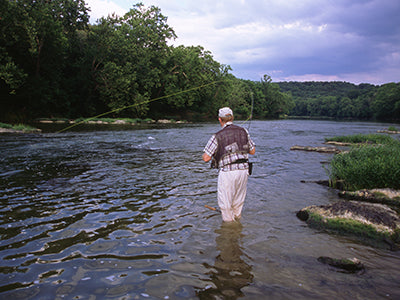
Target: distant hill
[315,89]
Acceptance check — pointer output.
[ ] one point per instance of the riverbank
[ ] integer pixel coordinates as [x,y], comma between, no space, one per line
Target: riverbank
[366,176]
[23,128]
[111,121]
[19,128]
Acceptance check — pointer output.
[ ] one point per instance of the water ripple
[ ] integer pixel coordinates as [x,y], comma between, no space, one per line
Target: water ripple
[121,214]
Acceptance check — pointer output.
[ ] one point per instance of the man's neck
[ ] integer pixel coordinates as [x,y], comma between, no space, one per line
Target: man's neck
[226,124]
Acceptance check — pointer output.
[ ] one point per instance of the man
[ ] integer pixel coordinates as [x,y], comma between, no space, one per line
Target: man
[228,149]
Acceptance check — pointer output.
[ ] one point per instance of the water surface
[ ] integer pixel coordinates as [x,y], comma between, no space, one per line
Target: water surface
[120,214]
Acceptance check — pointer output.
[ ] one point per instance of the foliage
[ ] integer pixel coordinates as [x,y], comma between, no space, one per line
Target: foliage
[18,127]
[342,100]
[4,125]
[35,50]
[386,104]
[362,138]
[368,166]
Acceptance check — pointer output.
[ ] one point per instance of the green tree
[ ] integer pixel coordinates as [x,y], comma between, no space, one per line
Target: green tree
[129,57]
[386,104]
[34,46]
[274,102]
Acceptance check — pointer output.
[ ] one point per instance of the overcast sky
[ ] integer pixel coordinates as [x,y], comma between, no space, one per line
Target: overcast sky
[356,41]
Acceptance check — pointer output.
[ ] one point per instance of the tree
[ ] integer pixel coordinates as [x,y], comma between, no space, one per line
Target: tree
[274,102]
[189,68]
[34,47]
[128,67]
[387,102]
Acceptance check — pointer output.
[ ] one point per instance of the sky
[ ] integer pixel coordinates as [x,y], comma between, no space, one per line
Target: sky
[356,41]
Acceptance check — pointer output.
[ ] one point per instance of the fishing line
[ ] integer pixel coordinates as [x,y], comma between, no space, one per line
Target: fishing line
[251,113]
[137,104]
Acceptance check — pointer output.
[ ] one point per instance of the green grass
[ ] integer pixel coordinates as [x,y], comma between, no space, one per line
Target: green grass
[392,128]
[362,138]
[368,166]
[19,127]
[6,126]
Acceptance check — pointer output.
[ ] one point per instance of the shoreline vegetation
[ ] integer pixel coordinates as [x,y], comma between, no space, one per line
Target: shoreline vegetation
[366,176]
[18,128]
[110,121]
[23,128]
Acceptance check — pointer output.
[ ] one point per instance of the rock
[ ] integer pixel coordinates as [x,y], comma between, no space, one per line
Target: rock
[316,149]
[339,184]
[338,143]
[321,182]
[372,223]
[352,265]
[120,122]
[384,196]
[389,131]
[164,121]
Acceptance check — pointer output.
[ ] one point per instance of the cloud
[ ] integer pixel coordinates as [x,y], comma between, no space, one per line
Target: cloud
[103,8]
[349,40]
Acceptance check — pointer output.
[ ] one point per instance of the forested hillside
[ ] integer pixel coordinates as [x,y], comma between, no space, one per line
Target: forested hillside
[343,100]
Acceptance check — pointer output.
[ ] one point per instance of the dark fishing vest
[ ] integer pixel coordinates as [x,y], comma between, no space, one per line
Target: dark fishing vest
[231,139]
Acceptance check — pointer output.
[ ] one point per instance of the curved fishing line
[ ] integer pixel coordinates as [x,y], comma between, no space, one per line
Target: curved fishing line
[137,104]
[251,113]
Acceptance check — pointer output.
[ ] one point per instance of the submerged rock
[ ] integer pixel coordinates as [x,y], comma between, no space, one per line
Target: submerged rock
[370,222]
[384,196]
[351,265]
[316,149]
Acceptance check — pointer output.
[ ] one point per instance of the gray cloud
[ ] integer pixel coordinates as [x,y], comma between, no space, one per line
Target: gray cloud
[348,40]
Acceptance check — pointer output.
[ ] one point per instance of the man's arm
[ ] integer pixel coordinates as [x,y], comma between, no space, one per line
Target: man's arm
[210,148]
[252,151]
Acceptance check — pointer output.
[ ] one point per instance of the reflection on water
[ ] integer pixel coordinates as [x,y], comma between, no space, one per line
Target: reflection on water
[230,273]
[120,214]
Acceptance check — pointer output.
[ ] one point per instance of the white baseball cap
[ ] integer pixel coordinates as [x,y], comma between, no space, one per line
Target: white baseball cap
[225,112]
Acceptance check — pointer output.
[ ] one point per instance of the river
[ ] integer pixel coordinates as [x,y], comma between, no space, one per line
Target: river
[119,214]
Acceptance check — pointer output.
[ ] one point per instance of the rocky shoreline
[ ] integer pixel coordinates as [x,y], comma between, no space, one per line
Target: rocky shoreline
[91,122]
[113,122]
[369,216]
[371,223]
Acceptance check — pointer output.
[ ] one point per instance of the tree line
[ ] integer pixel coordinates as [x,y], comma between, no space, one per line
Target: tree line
[54,63]
[342,100]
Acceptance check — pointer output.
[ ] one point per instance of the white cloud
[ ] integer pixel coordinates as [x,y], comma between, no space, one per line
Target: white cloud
[103,8]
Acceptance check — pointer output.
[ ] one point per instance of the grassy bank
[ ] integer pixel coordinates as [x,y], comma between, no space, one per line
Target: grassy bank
[373,163]
[362,138]
[18,128]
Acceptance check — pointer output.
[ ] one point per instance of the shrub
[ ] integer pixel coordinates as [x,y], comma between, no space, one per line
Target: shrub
[362,138]
[367,167]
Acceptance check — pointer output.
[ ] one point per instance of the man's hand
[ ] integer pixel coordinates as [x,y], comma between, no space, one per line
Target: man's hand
[206,157]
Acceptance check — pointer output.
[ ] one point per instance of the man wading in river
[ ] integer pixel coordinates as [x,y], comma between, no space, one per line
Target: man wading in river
[229,149]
